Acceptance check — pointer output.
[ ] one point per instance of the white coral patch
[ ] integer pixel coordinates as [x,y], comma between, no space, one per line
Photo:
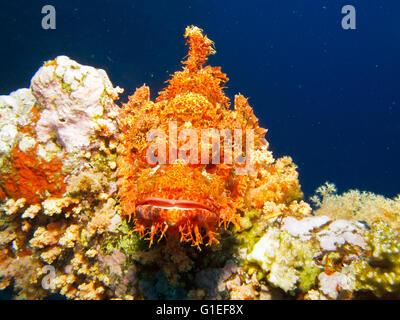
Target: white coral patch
[15,110]
[283,277]
[266,253]
[8,134]
[71,97]
[26,143]
[338,233]
[302,228]
[329,285]
[265,249]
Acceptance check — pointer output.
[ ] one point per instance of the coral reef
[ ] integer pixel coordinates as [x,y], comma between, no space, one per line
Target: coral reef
[78,195]
[58,143]
[356,205]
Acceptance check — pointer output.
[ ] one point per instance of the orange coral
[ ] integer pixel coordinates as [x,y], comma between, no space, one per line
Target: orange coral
[277,182]
[2,194]
[48,236]
[32,177]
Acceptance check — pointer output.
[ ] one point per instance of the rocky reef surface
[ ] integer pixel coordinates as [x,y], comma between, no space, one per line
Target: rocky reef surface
[62,231]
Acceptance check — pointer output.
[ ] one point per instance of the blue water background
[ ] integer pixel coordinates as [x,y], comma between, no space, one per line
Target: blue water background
[329,97]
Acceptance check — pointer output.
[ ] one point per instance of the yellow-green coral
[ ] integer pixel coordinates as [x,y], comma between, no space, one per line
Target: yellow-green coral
[123,240]
[379,272]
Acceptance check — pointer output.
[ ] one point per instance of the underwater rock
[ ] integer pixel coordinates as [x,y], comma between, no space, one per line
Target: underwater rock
[74,102]
[58,153]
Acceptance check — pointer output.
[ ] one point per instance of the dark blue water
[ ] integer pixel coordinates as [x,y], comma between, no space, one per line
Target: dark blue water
[329,97]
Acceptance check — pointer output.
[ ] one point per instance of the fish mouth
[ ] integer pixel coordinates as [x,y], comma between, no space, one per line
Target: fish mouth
[174,212]
[174,204]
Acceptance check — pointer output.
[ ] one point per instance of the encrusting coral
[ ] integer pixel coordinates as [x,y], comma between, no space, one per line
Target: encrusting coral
[78,194]
[380,271]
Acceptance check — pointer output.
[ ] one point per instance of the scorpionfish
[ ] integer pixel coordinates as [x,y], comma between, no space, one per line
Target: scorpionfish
[181,194]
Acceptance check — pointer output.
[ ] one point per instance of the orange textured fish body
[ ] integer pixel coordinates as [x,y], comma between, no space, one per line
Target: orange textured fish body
[191,198]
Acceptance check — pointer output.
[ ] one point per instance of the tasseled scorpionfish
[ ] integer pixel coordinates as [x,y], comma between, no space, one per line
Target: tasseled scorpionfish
[177,165]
